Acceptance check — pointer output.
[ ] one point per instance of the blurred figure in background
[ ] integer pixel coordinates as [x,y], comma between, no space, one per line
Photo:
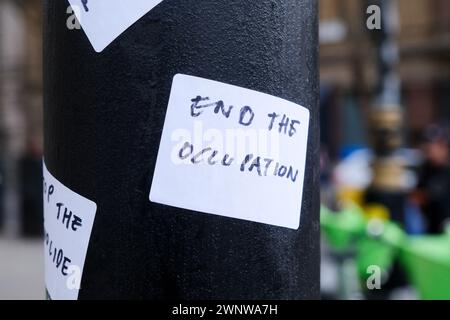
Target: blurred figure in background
[433,191]
[30,172]
[2,175]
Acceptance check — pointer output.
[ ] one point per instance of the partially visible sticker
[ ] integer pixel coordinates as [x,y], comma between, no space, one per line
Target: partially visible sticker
[68,221]
[233,152]
[104,20]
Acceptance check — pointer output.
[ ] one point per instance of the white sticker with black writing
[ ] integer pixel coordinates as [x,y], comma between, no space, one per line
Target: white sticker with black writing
[68,221]
[233,152]
[104,20]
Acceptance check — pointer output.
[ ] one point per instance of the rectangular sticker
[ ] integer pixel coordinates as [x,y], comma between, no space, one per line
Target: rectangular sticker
[233,152]
[104,20]
[68,221]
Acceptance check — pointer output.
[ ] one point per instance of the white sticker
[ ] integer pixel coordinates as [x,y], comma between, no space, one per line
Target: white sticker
[233,152]
[68,221]
[104,20]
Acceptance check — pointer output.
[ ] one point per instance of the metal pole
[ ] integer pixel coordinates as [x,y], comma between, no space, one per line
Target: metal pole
[388,186]
[103,117]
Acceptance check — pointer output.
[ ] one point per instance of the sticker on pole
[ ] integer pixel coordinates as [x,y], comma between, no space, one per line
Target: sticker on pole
[104,20]
[68,221]
[233,152]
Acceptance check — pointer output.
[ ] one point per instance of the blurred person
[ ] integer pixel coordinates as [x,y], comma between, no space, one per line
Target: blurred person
[30,168]
[2,175]
[433,190]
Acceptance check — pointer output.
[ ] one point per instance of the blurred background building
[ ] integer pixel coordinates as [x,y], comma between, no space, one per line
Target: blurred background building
[20,113]
[21,261]
[348,68]
[349,78]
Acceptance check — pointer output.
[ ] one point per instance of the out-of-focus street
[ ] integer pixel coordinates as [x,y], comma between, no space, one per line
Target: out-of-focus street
[22,277]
